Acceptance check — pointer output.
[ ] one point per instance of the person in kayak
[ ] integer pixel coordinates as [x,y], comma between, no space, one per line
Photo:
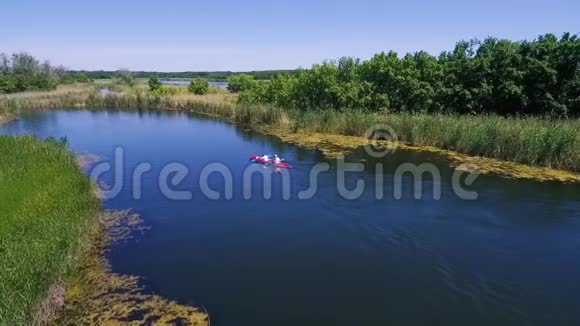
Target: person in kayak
[277,160]
[265,158]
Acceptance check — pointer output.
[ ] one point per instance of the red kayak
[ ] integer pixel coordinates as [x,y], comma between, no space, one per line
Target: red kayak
[258,159]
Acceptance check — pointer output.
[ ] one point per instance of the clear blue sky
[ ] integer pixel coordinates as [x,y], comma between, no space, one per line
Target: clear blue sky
[178,35]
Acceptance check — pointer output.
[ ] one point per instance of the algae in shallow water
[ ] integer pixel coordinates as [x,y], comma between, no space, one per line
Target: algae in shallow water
[333,145]
[96,296]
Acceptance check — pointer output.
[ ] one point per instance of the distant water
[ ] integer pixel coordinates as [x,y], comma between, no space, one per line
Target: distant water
[214,84]
[511,257]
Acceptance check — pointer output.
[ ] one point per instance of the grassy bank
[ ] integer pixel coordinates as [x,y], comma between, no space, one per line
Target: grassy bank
[538,142]
[48,205]
[53,240]
[65,96]
[553,143]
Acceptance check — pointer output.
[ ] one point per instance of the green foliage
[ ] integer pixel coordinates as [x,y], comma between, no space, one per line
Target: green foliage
[540,77]
[168,91]
[198,86]
[22,72]
[154,83]
[257,94]
[7,84]
[240,83]
[40,233]
[124,76]
[80,77]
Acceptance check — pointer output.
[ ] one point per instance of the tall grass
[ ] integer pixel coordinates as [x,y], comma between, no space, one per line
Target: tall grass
[66,96]
[47,206]
[535,141]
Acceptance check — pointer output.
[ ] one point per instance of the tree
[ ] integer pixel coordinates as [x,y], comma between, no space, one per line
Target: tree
[240,83]
[7,84]
[81,77]
[22,72]
[199,86]
[154,83]
[125,76]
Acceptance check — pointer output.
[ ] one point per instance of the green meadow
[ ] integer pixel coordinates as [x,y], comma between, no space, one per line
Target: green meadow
[48,206]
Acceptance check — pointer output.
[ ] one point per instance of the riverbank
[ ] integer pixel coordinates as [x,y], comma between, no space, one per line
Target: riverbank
[48,205]
[69,96]
[53,268]
[333,145]
[493,144]
[528,148]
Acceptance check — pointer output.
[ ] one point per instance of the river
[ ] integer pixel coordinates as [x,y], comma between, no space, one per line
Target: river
[512,256]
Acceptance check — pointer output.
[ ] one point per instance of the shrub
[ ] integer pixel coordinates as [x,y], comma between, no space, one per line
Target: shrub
[240,83]
[124,76]
[167,91]
[7,84]
[154,83]
[81,77]
[199,86]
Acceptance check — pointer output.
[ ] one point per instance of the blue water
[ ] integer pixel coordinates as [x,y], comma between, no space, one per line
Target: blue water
[185,82]
[510,257]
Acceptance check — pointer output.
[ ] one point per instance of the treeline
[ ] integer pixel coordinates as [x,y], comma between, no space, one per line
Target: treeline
[209,75]
[539,77]
[22,72]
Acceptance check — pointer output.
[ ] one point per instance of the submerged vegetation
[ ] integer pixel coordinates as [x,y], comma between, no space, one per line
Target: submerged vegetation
[96,296]
[533,141]
[48,205]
